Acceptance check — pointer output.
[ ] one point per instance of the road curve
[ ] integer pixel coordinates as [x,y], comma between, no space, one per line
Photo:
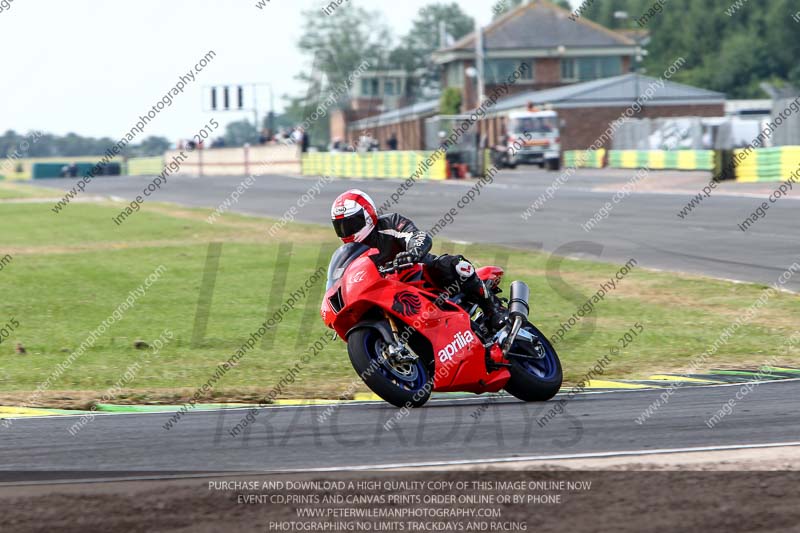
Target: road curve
[354,435]
[644,226]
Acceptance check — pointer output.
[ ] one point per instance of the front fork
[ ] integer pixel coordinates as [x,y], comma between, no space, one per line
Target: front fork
[400,351]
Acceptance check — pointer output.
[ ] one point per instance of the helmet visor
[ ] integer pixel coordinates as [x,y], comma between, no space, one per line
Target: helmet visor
[349,226]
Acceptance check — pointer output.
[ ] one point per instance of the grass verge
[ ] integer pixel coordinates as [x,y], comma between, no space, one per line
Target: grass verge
[65,279]
[10,190]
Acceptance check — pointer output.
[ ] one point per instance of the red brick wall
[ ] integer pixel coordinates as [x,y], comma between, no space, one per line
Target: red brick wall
[547,73]
[584,126]
[410,134]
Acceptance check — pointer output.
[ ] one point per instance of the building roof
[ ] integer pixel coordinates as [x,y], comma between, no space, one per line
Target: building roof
[421,109]
[541,25]
[619,90]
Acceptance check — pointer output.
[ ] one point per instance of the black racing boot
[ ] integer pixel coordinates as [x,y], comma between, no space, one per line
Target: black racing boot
[475,291]
[495,313]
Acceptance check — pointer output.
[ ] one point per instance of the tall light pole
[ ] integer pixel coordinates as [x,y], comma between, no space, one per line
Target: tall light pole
[479,63]
[239,91]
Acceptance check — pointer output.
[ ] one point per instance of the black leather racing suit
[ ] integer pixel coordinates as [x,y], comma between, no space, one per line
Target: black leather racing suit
[396,235]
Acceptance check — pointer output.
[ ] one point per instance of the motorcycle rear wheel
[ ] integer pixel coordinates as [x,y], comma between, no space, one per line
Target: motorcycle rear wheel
[408,385]
[535,380]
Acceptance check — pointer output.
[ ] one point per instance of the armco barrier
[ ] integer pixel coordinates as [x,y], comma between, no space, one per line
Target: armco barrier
[584,158]
[662,159]
[23,168]
[145,166]
[55,169]
[767,164]
[375,165]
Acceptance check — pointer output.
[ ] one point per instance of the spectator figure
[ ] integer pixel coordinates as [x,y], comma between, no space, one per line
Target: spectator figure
[305,140]
[391,143]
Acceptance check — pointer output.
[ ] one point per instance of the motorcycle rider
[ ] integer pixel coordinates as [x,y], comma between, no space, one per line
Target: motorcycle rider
[398,240]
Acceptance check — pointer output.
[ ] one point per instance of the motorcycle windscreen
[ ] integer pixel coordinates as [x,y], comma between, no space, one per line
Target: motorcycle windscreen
[341,259]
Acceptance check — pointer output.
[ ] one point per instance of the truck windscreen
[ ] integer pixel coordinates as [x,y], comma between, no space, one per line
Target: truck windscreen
[533,125]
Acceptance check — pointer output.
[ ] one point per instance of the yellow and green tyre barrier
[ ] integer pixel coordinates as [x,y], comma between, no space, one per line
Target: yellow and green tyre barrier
[375,165]
[767,164]
[145,166]
[662,159]
[584,158]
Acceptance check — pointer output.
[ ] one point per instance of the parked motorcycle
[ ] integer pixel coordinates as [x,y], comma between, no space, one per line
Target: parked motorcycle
[406,338]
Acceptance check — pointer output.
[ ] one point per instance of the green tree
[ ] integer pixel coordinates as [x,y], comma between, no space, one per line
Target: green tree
[425,36]
[240,132]
[337,45]
[152,146]
[413,53]
[502,7]
[726,51]
[450,102]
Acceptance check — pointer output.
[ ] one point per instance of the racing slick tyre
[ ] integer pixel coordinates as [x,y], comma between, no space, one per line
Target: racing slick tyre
[401,384]
[553,164]
[534,380]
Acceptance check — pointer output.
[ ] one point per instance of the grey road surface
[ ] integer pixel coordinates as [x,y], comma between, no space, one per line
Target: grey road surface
[644,225]
[295,438]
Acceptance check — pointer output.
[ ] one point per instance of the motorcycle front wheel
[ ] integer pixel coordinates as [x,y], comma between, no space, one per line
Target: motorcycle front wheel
[402,385]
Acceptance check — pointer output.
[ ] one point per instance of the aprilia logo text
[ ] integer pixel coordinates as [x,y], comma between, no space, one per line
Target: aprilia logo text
[460,341]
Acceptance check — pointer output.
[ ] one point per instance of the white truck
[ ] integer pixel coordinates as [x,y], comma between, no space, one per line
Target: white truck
[533,137]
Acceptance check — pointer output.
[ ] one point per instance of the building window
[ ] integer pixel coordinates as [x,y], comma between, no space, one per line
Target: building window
[389,88]
[568,70]
[501,70]
[370,87]
[455,74]
[590,68]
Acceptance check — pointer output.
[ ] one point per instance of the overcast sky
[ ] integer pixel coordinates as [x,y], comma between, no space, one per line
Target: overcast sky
[93,66]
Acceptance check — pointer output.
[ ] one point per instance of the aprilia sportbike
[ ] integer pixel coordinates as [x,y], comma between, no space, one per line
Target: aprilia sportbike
[406,338]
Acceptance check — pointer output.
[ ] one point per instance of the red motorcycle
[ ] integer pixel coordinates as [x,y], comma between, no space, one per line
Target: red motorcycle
[406,338]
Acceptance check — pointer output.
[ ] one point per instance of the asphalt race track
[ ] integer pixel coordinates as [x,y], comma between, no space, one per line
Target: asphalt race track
[644,226]
[353,436]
